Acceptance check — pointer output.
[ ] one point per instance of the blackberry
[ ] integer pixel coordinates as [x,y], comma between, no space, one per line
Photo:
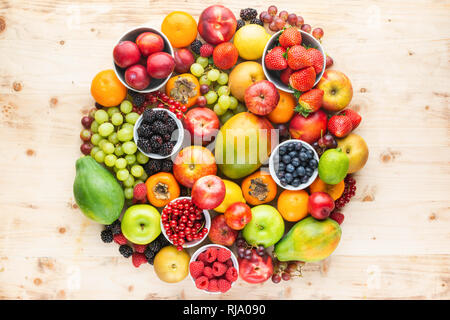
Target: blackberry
[148,116]
[161,115]
[149,253]
[152,166]
[115,227]
[248,14]
[155,246]
[125,250]
[156,142]
[166,148]
[159,127]
[240,24]
[107,236]
[195,46]
[139,100]
[167,137]
[257,21]
[171,125]
[98,105]
[144,130]
[144,145]
[166,165]
[151,260]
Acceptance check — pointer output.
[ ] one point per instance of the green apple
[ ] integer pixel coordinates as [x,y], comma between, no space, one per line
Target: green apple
[333,166]
[265,228]
[140,224]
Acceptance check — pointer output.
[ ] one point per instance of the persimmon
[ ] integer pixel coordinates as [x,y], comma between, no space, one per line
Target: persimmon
[293,204]
[184,88]
[162,188]
[259,188]
[334,190]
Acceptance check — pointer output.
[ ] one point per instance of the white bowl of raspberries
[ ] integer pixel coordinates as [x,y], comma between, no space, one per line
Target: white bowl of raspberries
[213,269]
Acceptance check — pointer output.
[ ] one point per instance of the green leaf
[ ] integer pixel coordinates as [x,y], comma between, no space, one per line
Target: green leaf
[303,111]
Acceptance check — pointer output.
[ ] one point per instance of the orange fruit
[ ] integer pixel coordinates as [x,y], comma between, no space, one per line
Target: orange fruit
[107,90]
[180,28]
[293,204]
[284,110]
[334,190]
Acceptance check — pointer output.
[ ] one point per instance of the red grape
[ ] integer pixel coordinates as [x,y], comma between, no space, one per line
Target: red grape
[279,22]
[306,27]
[272,10]
[286,276]
[317,33]
[276,278]
[283,15]
[300,21]
[292,19]
[87,121]
[273,26]
[204,88]
[267,18]
[329,61]
[86,148]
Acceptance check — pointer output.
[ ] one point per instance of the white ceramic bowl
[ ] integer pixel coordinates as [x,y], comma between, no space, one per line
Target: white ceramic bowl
[274,76]
[131,35]
[274,161]
[203,248]
[177,145]
[192,243]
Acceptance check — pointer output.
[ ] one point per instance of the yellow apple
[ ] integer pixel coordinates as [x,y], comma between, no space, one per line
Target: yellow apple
[337,90]
[243,76]
[356,149]
[171,265]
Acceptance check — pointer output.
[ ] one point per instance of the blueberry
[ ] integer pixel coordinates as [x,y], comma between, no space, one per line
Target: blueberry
[282,150]
[281,166]
[295,162]
[309,171]
[296,183]
[281,174]
[295,174]
[303,156]
[304,150]
[288,177]
[310,154]
[313,163]
[292,154]
[286,159]
[283,181]
[290,168]
[301,171]
[291,146]
[305,179]
[298,147]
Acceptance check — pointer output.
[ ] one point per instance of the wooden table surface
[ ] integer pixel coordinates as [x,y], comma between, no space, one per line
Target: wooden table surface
[396,234]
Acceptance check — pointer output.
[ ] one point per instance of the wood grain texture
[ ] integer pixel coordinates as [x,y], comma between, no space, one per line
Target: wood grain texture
[396,234]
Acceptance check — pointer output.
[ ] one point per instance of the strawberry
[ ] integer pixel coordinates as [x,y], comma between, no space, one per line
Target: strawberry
[218,269]
[196,269]
[316,59]
[303,80]
[285,75]
[138,259]
[290,37]
[231,274]
[223,255]
[340,125]
[337,216]
[202,283]
[225,55]
[310,101]
[224,285]
[275,60]
[213,285]
[140,191]
[354,117]
[298,57]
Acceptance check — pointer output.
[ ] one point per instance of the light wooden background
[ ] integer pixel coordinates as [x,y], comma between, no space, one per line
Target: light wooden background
[396,235]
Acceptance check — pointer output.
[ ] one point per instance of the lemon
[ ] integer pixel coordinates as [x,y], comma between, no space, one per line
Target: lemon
[233,193]
[250,40]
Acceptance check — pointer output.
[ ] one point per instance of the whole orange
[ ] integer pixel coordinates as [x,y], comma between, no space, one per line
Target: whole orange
[293,204]
[180,28]
[107,90]
[284,110]
[334,190]
[225,55]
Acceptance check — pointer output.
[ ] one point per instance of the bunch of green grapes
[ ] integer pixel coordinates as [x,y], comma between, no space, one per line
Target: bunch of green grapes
[214,87]
[113,145]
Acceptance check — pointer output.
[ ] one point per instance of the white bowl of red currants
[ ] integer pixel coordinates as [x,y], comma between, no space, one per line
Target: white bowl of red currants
[183,224]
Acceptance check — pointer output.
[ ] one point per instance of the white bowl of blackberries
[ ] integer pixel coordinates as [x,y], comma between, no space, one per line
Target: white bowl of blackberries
[293,164]
[158,133]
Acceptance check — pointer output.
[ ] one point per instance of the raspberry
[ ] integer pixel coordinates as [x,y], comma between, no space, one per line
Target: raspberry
[140,191]
[224,285]
[208,272]
[231,274]
[213,285]
[139,247]
[337,216]
[196,269]
[211,255]
[202,257]
[229,263]
[106,236]
[223,254]
[202,283]
[206,50]
[219,269]
[120,239]
[138,259]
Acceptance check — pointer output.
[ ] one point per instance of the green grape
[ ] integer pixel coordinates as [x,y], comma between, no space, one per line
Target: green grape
[102,143]
[94,151]
[126,106]
[95,139]
[129,182]
[213,74]
[219,110]
[197,69]
[128,193]
[106,129]
[224,102]
[119,151]
[128,126]
[240,108]
[223,91]
[112,110]
[226,116]
[141,158]
[121,163]
[115,169]
[117,119]
[113,138]
[94,126]
[108,148]
[129,147]
[233,103]
[137,170]
[204,80]
[132,117]
[223,78]
[131,158]
[211,97]
[144,176]
[122,174]
[137,182]
[99,156]
[101,116]
[110,160]
[202,61]
[125,134]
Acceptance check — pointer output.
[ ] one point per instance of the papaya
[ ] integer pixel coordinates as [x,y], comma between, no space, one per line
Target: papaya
[97,192]
[309,240]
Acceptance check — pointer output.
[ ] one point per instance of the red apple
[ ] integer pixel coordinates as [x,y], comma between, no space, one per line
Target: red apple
[221,233]
[208,192]
[203,125]
[126,53]
[310,128]
[261,97]
[320,205]
[238,215]
[192,163]
[160,65]
[184,58]
[149,42]
[137,77]
[217,24]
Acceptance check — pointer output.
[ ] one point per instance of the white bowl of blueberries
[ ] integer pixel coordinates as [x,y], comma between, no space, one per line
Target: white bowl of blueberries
[293,164]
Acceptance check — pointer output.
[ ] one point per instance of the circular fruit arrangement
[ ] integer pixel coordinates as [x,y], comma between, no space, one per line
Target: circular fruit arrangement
[189,143]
